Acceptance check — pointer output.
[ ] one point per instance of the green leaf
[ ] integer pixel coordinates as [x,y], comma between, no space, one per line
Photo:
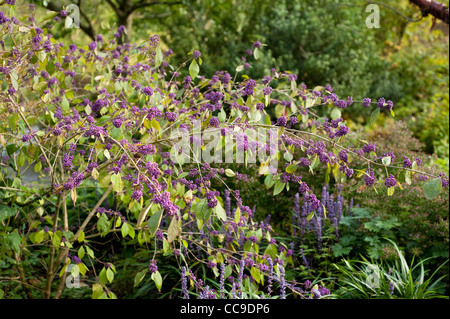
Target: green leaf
[95,174]
[308,218]
[408,177]
[81,252]
[139,276]
[102,276]
[390,191]
[4,85]
[155,125]
[279,186]
[194,69]
[279,110]
[237,215]
[268,181]
[271,250]
[386,160]
[156,277]
[14,79]
[229,172]
[131,232]
[21,159]
[222,115]
[158,56]
[39,237]
[174,229]
[248,245]
[82,268]
[166,245]
[432,188]
[118,183]
[374,116]
[327,174]
[90,252]
[335,113]
[220,212]
[49,16]
[56,241]
[50,67]
[154,221]
[291,168]
[103,225]
[8,42]
[110,275]
[255,274]
[12,121]
[12,241]
[314,163]
[105,25]
[6,212]
[65,104]
[202,210]
[81,236]
[88,109]
[339,250]
[288,156]
[97,291]
[75,271]
[38,166]
[125,229]
[256,53]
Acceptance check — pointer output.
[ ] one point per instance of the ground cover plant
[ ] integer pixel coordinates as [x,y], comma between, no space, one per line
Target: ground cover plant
[125,176]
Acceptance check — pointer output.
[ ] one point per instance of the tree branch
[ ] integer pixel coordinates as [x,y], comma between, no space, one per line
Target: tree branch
[87,27]
[143,4]
[436,9]
[63,253]
[113,6]
[396,11]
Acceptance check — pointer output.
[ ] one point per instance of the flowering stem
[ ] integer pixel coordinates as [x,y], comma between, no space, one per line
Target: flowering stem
[293,131]
[35,137]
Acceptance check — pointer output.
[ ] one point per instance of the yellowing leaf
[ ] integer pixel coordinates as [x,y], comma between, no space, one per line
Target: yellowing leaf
[220,212]
[174,229]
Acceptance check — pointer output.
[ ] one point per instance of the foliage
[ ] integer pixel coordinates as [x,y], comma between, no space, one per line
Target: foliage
[363,233]
[423,224]
[371,280]
[322,41]
[100,146]
[428,119]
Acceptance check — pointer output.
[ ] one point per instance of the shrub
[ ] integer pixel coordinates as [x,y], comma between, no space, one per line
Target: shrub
[422,224]
[112,133]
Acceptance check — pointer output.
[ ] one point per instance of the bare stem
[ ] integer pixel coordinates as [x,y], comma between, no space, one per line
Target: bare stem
[50,270]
